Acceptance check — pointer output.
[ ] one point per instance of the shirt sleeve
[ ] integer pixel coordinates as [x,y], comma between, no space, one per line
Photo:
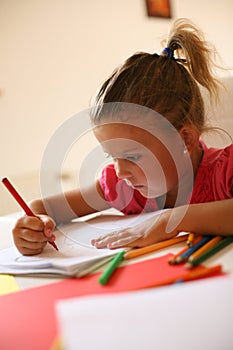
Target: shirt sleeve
[121,196]
[224,173]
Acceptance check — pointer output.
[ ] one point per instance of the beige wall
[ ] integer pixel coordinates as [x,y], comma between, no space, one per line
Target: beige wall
[55,53]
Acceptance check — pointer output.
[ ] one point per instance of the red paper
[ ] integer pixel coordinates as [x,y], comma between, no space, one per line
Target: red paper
[28,317]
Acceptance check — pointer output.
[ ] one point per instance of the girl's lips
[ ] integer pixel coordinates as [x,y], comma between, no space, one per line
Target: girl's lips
[132,185]
[137,186]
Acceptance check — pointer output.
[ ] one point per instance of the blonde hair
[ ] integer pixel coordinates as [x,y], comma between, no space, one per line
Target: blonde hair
[167,83]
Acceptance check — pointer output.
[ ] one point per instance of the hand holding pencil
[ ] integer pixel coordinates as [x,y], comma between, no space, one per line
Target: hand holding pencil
[31,232]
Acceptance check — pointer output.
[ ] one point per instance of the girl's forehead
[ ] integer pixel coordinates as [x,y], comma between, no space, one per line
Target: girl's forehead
[119,130]
[124,137]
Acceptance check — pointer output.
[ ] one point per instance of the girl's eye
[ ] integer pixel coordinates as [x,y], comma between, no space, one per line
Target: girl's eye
[133,158]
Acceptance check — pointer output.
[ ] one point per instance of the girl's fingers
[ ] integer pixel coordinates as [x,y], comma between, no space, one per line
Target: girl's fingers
[36,223]
[124,242]
[102,241]
[29,222]
[108,235]
[31,234]
[31,246]
[116,239]
[34,245]
[31,250]
[49,225]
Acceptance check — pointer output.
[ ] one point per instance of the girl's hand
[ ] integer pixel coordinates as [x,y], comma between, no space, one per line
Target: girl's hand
[148,232]
[31,234]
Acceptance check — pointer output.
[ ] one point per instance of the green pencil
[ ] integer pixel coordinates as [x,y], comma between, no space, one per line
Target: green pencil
[111,267]
[215,249]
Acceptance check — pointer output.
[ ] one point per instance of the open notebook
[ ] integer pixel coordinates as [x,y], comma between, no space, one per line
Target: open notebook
[75,250]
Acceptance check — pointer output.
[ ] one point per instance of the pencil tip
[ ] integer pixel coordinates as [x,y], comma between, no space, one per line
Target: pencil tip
[178,260]
[188,265]
[172,261]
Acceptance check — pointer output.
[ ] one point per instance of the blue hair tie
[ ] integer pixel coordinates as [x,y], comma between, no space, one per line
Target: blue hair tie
[168,52]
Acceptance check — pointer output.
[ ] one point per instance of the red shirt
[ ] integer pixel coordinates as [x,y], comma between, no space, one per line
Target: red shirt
[214,178]
[213,182]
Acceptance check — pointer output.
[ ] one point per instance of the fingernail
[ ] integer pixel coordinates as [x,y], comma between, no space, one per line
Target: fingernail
[49,232]
[111,245]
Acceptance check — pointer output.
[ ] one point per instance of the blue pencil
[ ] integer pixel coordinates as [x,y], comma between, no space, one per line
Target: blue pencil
[184,257]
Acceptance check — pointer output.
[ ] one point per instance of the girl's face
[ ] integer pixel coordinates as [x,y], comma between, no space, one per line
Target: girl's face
[139,158]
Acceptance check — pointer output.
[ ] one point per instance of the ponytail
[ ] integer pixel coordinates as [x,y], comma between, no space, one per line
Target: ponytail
[188,42]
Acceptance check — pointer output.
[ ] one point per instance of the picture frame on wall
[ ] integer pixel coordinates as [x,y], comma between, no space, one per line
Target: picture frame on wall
[159,8]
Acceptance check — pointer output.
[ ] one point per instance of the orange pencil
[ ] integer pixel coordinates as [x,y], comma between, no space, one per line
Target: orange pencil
[199,273]
[153,247]
[172,260]
[204,248]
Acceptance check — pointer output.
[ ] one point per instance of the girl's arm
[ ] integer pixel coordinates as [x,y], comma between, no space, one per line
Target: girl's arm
[205,218]
[209,218]
[71,204]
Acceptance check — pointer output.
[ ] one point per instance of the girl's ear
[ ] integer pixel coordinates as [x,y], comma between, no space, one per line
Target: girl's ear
[190,135]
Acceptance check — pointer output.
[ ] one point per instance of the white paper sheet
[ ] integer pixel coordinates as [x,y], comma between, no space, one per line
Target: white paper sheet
[75,250]
[194,315]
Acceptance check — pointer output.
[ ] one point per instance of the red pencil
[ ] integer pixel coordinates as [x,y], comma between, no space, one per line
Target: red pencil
[21,202]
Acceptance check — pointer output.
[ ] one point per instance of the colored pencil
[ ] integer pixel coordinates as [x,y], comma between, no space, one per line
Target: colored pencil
[210,252]
[176,258]
[153,247]
[111,268]
[172,260]
[21,202]
[205,247]
[190,239]
[184,257]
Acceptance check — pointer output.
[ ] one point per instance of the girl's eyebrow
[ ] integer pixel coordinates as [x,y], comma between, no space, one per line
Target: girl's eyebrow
[132,150]
[128,151]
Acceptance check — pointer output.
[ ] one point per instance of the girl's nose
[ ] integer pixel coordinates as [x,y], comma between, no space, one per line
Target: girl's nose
[122,168]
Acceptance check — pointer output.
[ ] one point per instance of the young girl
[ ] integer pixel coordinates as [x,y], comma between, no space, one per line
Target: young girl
[149,116]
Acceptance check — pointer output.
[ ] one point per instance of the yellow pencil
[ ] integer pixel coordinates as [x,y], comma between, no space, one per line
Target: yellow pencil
[205,247]
[190,239]
[153,247]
